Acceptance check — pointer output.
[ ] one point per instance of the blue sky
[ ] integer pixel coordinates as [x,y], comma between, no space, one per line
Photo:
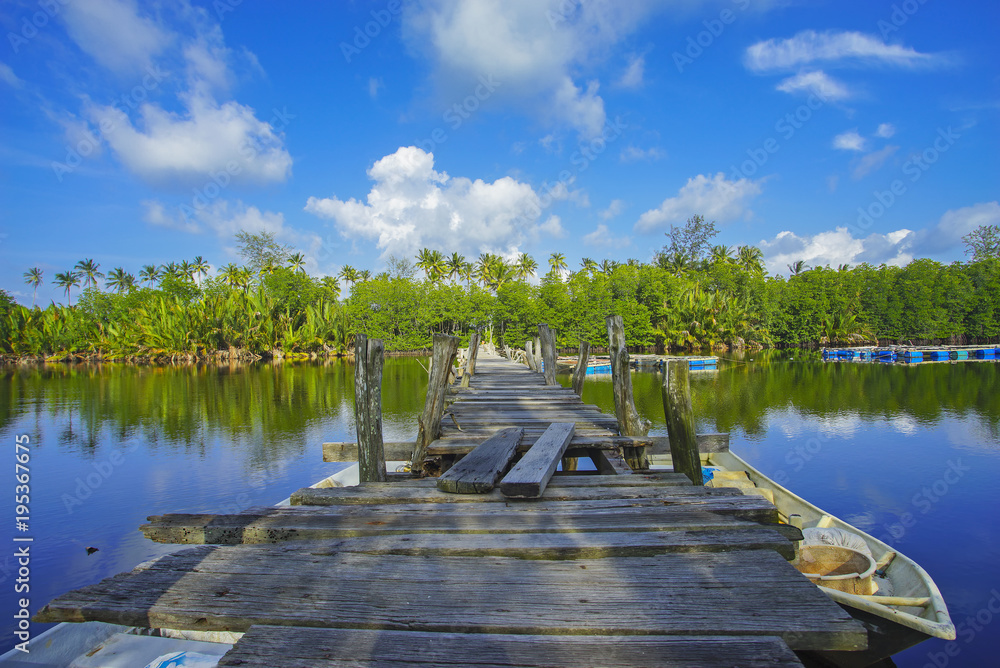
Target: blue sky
[841,131]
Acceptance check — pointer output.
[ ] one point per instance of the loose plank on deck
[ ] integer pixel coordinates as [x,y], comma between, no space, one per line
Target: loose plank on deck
[284,647]
[530,476]
[479,470]
[749,592]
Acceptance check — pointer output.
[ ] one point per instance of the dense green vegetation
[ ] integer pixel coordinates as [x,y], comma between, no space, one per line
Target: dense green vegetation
[690,296]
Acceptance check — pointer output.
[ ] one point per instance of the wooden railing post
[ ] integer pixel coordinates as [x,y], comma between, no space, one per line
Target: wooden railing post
[470,362]
[368,360]
[529,355]
[630,423]
[548,350]
[680,420]
[537,342]
[429,422]
[580,371]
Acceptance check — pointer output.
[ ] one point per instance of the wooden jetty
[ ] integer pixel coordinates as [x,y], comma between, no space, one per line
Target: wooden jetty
[614,567]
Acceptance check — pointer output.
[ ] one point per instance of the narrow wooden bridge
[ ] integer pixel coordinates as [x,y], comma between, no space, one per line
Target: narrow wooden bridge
[611,568]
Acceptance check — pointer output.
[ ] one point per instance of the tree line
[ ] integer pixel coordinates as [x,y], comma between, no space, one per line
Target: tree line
[692,295]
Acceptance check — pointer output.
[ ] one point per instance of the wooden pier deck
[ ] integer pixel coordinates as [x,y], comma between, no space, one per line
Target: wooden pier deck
[611,569]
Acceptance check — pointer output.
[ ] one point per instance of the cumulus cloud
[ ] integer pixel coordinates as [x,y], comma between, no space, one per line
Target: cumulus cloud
[836,247]
[817,83]
[873,161]
[208,139]
[885,130]
[614,208]
[411,206]
[633,153]
[534,49]
[602,238]
[713,197]
[634,72]
[955,224]
[114,33]
[849,141]
[809,47]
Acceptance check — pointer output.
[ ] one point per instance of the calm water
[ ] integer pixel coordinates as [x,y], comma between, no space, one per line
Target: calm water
[911,454]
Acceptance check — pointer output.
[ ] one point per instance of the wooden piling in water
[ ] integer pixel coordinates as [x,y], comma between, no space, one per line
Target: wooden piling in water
[429,422]
[580,371]
[529,355]
[680,420]
[548,349]
[368,359]
[629,421]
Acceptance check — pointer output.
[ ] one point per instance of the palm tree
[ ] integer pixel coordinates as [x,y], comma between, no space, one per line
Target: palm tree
[120,280]
[245,278]
[348,274]
[797,268]
[608,267]
[186,270]
[150,274]
[297,262]
[231,275]
[199,267]
[67,280]
[525,266]
[33,277]
[557,263]
[171,269]
[467,273]
[365,275]
[268,268]
[433,264]
[588,265]
[331,284]
[751,259]
[721,254]
[89,271]
[455,265]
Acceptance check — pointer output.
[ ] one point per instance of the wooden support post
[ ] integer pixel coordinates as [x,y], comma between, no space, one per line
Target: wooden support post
[548,350]
[538,354]
[580,372]
[629,421]
[529,355]
[680,420]
[429,422]
[368,359]
[470,362]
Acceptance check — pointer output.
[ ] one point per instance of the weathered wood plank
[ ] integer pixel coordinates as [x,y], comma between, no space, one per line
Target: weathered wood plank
[748,592]
[479,470]
[284,647]
[610,462]
[529,477]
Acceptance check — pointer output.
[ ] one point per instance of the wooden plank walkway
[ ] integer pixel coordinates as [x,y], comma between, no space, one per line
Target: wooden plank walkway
[614,570]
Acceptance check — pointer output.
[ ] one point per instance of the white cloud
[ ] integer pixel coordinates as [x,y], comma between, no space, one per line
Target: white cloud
[535,50]
[873,161]
[837,247]
[8,77]
[713,197]
[374,84]
[955,224]
[633,153]
[208,139]
[614,208]
[114,34]
[816,82]
[810,46]
[885,130]
[634,72]
[411,206]
[849,141]
[603,238]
